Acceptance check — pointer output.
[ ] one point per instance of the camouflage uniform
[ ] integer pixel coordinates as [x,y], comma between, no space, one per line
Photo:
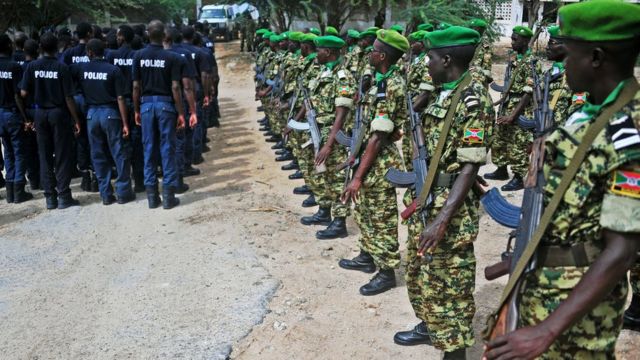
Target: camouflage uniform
[510,141]
[277,69]
[561,98]
[603,195]
[419,81]
[376,211]
[333,87]
[352,59]
[482,61]
[634,278]
[442,291]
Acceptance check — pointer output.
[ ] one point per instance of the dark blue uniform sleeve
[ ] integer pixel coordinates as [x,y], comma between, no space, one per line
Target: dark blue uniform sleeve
[17,78]
[176,68]
[203,62]
[27,79]
[66,81]
[135,69]
[120,83]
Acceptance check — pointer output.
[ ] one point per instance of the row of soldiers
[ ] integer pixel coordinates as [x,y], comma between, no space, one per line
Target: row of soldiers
[384,110]
[106,114]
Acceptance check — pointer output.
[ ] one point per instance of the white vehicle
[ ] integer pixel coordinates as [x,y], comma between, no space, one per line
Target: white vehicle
[220,20]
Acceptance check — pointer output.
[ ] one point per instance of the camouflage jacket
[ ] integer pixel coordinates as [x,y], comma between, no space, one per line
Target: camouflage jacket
[522,78]
[333,87]
[468,137]
[419,78]
[482,60]
[384,111]
[605,192]
[309,70]
[352,59]
[292,68]
[561,98]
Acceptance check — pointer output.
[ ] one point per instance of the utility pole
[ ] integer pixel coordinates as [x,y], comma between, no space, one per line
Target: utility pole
[198,7]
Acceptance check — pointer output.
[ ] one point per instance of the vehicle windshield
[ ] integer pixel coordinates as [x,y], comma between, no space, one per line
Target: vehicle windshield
[213,14]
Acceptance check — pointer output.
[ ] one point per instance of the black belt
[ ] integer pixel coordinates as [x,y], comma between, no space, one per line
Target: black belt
[578,255]
[148,99]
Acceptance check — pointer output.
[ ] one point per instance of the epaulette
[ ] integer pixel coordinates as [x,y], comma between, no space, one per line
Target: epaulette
[623,131]
[471,101]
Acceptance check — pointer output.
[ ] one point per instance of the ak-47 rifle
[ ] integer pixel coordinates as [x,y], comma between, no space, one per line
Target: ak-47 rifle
[292,104]
[420,162]
[537,99]
[507,77]
[532,208]
[311,126]
[353,142]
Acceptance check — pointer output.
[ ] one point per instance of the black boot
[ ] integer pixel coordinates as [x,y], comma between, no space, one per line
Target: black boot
[337,229]
[127,198]
[169,200]
[19,194]
[459,354]
[269,133]
[514,185]
[260,108]
[94,183]
[293,165]
[182,187]
[108,200]
[288,156]
[66,201]
[191,171]
[85,184]
[264,128]
[281,151]
[296,175]
[153,197]
[322,217]
[278,145]
[302,190]
[198,160]
[501,173]
[309,202]
[10,198]
[418,336]
[138,185]
[273,139]
[632,315]
[384,280]
[52,202]
[363,262]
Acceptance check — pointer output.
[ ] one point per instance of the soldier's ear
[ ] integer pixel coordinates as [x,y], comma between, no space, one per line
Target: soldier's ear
[447,61]
[598,56]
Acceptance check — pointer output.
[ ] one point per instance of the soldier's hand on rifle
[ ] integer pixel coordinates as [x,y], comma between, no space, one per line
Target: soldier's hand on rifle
[350,193]
[431,236]
[524,343]
[287,131]
[505,120]
[323,154]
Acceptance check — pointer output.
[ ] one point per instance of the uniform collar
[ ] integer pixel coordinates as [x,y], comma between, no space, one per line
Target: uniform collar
[591,110]
[454,84]
[332,64]
[381,77]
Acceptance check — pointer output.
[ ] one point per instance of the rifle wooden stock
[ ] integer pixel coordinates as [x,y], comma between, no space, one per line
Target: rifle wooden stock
[497,270]
[406,213]
[500,327]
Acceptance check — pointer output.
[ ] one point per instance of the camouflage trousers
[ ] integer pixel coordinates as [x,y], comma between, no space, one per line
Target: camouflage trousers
[331,181]
[376,214]
[592,337]
[412,271]
[509,145]
[634,278]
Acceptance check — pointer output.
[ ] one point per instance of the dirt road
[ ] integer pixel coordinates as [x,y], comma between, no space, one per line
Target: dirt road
[229,273]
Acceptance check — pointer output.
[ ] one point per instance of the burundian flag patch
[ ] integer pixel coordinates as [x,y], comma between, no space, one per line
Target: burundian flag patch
[579,98]
[626,183]
[344,90]
[381,116]
[473,136]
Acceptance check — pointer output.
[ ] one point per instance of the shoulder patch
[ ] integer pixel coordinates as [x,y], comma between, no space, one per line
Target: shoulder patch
[626,183]
[623,132]
[342,74]
[471,101]
[579,98]
[473,136]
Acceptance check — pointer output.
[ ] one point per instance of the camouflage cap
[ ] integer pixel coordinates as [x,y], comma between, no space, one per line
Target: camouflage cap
[600,20]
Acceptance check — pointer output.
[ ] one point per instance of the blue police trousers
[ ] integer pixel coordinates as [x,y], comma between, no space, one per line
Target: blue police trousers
[159,120]
[83,151]
[133,146]
[12,135]
[104,127]
[54,130]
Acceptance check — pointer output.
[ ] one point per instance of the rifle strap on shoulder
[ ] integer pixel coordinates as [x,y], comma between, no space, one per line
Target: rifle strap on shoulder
[556,95]
[444,134]
[627,94]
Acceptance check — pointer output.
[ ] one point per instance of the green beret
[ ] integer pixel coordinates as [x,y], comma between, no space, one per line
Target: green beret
[284,35]
[393,39]
[295,35]
[554,31]
[261,31]
[600,20]
[523,31]
[329,41]
[397,28]
[425,27]
[418,35]
[479,23]
[353,34]
[330,30]
[315,31]
[450,37]
[274,38]
[443,25]
[369,32]
[267,35]
[308,37]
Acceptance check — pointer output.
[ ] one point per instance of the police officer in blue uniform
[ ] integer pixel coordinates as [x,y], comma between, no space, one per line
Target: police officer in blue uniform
[188,74]
[12,120]
[18,55]
[72,57]
[104,88]
[123,58]
[30,138]
[157,102]
[51,84]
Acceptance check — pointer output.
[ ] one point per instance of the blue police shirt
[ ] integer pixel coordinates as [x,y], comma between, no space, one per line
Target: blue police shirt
[19,57]
[188,65]
[123,58]
[29,102]
[10,76]
[101,82]
[75,55]
[156,68]
[49,81]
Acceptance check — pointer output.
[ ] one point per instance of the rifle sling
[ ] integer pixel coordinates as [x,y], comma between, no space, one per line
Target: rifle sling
[627,94]
[435,159]
[556,95]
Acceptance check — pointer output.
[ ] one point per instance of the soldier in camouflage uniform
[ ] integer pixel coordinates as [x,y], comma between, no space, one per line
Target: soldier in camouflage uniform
[510,142]
[571,306]
[375,197]
[332,93]
[444,299]
[353,52]
[483,59]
